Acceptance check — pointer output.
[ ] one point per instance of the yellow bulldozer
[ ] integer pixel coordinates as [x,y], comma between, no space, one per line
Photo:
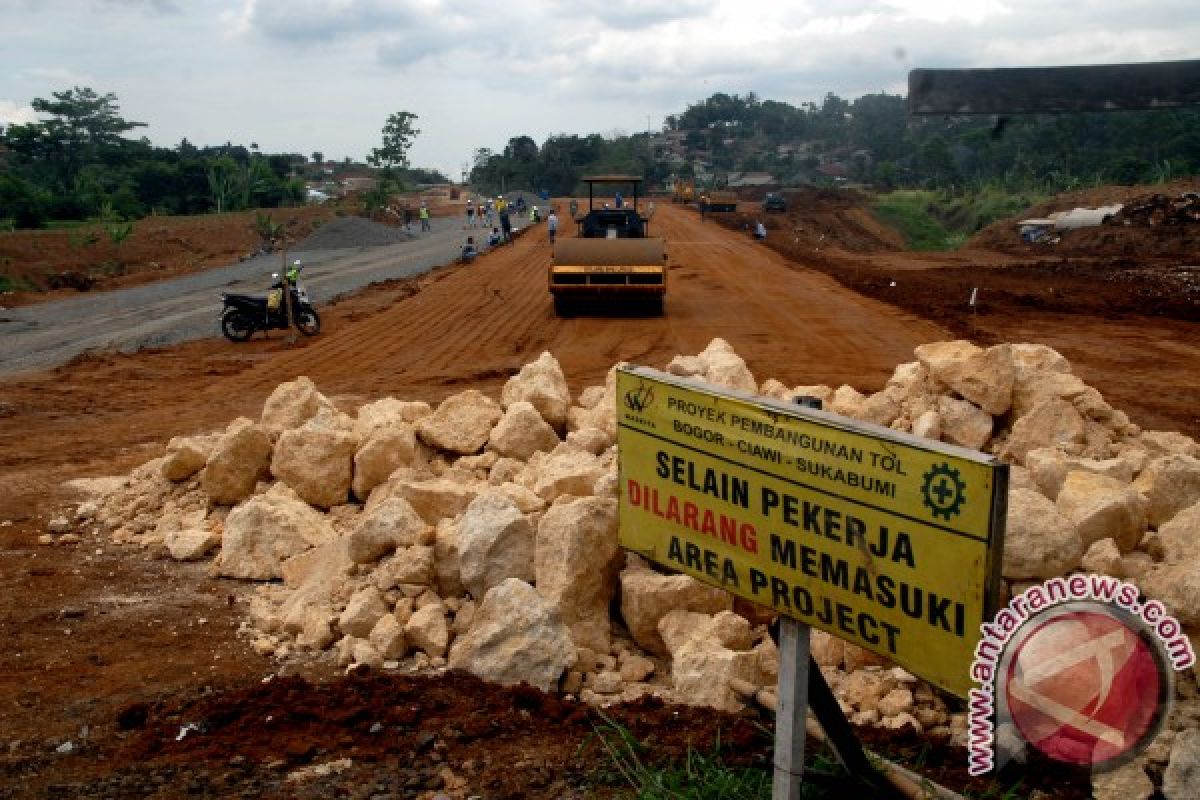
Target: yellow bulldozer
[685,191]
[612,257]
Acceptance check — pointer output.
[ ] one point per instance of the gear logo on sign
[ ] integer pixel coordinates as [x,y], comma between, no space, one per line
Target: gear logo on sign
[943,491]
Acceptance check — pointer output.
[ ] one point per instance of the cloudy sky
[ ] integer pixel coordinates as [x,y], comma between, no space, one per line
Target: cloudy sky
[306,75]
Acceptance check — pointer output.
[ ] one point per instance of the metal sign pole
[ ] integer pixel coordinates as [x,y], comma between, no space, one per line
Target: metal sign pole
[792,709]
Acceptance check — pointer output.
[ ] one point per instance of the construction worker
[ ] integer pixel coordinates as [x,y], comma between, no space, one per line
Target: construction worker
[760,230]
[424,215]
[468,251]
[505,221]
[552,226]
[293,272]
[470,214]
[534,215]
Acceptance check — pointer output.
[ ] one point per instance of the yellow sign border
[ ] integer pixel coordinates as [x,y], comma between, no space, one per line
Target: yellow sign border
[984,580]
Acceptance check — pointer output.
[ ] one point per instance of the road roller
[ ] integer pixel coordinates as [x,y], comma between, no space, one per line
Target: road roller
[612,258]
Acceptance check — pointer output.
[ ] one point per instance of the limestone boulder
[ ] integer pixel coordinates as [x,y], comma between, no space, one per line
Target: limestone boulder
[1181,779]
[433,499]
[648,596]
[726,368]
[267,529]
[576,561]
[685,367]
[567,471]
[985,377]
[540,383]
[1100,507]
[1169,484]
[388,413]
[408,566]
[383,528]
[317,580]
[1126,782]
[186,455]
[361,614]
[929,425]
[522,432]
[702,667]
[1178,587]
[1039,542]
[382,452]
[1103,557]
[775,390]
[963,423]
[1162,443]
[496,542]
[317,464]
[292,404]
[882,408]
[240,458]
[426,630]
[461,424]
[1038,387]
[191,544]
[1053,422]
[846,401]
[515,636]
[1180,537]
[388,638]
[1049,467]
[592,440]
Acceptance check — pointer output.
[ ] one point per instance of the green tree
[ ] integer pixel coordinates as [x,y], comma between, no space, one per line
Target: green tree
[318,157]
[81,127]
[398,136]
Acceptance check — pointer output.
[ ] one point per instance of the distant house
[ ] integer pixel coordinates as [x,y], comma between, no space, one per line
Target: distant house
[359,184]
[834,169]
[739,179]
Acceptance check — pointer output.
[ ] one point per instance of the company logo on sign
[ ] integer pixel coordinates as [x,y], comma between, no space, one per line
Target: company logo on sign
[639,399]
[943,491]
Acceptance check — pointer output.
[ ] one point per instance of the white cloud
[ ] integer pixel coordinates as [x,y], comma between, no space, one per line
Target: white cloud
[12,113]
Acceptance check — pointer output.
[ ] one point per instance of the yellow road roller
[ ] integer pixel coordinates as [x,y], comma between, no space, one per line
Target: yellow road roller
[612,257]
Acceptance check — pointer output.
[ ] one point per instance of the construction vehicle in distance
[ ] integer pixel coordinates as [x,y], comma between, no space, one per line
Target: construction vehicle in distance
[722,201]
[611,258]
[774,201]
[685,191]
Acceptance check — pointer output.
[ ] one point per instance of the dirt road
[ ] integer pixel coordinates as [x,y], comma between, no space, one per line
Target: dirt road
[186,308]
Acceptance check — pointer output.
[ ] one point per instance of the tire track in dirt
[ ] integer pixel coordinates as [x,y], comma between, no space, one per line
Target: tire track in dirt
[464,326]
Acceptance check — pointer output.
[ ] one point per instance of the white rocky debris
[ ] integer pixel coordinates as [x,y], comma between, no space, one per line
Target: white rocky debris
[483,534]
[516,637]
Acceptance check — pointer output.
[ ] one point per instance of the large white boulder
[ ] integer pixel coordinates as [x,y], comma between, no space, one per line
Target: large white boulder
[984,377]
[648,596]
[515,636]
[963,423]
[461,424]
[522,432]
[724,367]
[388,413]
[567,471]
[391,524]
[706,657]
[317,580]
[267,529]
[191,544]
[540,383]
[361,614]
[292,404]
[317,464]
[407,567]
[447,559]
[1039,542]
[426,630]
[496,542]
[1100,507]
[186,455]
[382,452]
[433,499]
[576,562]
[1181,536]
[1049,467]
[1053,422]
[238,461]
[1169,484]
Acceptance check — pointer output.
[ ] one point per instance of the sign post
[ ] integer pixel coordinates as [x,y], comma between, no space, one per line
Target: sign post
[883,539]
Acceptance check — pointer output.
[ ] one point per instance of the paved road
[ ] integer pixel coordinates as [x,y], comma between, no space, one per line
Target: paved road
[186,308]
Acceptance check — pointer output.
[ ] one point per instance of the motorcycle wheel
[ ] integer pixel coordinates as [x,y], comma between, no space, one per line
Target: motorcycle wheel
[308,322]
[236,326]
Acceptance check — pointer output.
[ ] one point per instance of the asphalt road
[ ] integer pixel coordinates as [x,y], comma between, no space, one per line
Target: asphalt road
[187,308]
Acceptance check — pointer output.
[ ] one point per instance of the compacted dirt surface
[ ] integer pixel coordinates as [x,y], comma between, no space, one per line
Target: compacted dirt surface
[123,675]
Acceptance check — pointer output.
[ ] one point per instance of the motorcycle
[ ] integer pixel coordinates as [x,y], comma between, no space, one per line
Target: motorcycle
[243,314]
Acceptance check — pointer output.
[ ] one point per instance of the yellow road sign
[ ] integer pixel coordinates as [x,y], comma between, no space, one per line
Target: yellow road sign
[881,538]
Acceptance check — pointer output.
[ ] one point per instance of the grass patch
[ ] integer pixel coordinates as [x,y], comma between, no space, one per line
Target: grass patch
[8,283]
[944,220]
[702,776]
[908,212]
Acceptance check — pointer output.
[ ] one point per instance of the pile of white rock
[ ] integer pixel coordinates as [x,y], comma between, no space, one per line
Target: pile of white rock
[481,534]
